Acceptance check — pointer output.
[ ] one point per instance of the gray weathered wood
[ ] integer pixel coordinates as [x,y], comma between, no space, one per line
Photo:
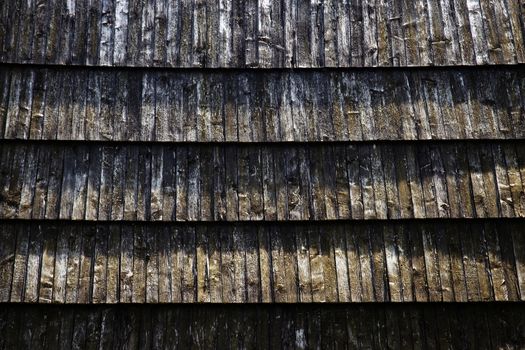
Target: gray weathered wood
[281,33]
[305,105]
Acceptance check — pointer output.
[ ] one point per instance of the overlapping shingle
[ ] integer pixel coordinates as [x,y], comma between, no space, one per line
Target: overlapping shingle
[256,106]
[150,182]
[231,152]
[263,34]
[410,261]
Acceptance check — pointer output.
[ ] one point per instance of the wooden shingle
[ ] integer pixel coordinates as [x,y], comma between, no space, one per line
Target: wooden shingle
[267,34]
[352,172]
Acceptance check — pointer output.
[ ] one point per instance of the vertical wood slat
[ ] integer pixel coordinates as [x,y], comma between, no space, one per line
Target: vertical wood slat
[276,34]
[118,105]
[72,263]
[282,325]
[307,182]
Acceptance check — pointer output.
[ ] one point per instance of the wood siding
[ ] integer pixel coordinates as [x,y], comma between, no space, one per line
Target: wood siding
[151,182]
[275,173]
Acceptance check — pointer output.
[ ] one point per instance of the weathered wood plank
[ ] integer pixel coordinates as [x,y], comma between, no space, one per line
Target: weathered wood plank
[73,264]
[305,181]
[19,248]
[379,272]
[47,269]
[152,266]
[392,264]
[282,325]
[518,244]
[310,263]
[100,266]
[87,263]
[61,254]
[143,193]
[10,265]
[467,240]
[139,266]
[166,106]
[417,254]
[405,263]
[34,260]
[126,265]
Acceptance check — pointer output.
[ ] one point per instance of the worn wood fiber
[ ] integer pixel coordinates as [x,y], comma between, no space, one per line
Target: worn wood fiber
[281,33]
[411,261]
[228,152]
[264,327]
[254,106]
[152,182]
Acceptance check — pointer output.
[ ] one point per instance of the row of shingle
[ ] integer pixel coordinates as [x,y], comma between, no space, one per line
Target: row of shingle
[240,263]
[254,106]
[270,33]
[261,182]
[365,326]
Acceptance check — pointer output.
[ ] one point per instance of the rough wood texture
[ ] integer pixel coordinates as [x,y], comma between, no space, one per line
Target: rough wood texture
[151,182]
[431,326]
[255,106]
[262,184]
[445,260]
[281,33]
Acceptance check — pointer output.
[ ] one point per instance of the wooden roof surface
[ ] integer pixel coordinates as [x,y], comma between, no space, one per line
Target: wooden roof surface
[260,182]
[166,105]
[355,152]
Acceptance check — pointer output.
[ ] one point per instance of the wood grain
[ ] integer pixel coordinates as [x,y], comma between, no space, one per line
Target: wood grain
[263,262]
[259,106]
[263,326]
[262,181]
[267,34]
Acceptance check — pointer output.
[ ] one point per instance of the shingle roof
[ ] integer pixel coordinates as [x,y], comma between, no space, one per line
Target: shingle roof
[275,154]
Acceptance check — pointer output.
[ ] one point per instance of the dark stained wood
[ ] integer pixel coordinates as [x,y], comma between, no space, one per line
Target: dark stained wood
[258,106]
[246,263]
[295,182]
[231,152]
[264,326]
[266,34]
